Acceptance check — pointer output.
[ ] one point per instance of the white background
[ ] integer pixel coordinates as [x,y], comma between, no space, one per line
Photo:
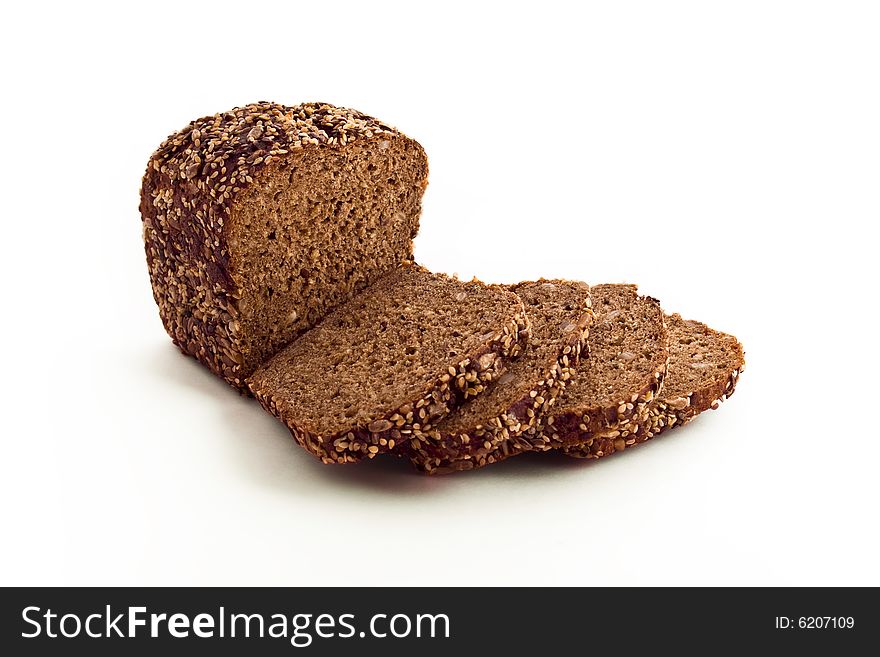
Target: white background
[725,156]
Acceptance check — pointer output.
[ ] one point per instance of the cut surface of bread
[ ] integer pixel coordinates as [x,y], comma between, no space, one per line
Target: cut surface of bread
[486,428]
[704,367]
[395,359]
[259,220]
[613,388]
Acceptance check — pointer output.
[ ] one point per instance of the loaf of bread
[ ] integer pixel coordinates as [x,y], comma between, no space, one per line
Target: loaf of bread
[258,221]
[394,360]
[488,429]
[279,242]
[704,367]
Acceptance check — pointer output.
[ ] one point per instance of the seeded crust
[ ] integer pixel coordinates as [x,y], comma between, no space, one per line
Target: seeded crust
[630,380]
[214,194]
[694,384]
[393,361]
[486,430]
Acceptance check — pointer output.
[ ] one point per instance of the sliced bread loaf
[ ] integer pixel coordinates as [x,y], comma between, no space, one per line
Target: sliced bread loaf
[704,366]
[486,429]
[259,220]
[611,391]
[395,359]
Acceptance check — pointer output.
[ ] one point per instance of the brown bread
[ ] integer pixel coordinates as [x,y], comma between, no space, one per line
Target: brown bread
[260,220]
[612,390]
[486,429]
[704,367]
[392,361]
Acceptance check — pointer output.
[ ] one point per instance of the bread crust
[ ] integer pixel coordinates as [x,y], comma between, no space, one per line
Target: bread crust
[436,452]
[188,196]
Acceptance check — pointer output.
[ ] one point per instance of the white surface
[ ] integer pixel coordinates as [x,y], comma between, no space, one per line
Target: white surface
[725,158]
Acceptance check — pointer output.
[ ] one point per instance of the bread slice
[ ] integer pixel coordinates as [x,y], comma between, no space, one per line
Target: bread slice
[395,359]
[485,429]
[704,367]
[259,220]
[611,392]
